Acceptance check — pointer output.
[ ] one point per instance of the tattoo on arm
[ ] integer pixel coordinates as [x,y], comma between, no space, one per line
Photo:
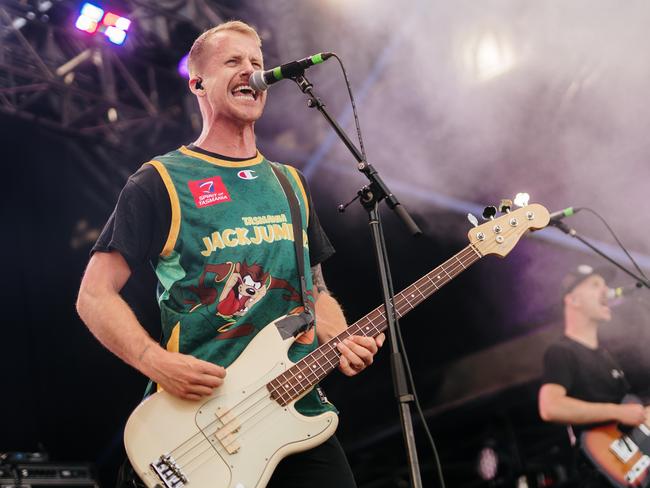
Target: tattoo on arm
[143,351]
[319,281]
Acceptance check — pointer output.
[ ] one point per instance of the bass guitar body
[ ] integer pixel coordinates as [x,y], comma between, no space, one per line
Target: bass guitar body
[236,437]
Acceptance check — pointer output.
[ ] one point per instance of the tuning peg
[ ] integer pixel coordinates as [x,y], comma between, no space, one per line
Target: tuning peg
[489,212]
[505,205]
[472,219]
[522,199]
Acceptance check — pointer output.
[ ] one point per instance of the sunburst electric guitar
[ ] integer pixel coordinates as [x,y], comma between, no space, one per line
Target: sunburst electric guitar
[622,457]
[237,436]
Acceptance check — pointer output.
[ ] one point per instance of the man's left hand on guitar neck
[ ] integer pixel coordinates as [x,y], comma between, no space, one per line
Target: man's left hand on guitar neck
[357,353]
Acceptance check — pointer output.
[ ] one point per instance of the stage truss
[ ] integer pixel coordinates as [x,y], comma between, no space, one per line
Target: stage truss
[60,78]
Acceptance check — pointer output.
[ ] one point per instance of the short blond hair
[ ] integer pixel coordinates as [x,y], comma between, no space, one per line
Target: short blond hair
[194,58]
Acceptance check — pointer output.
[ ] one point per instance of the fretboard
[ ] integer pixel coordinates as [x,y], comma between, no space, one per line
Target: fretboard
[307,372]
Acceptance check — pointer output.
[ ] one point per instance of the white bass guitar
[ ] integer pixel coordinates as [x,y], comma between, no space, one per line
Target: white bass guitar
[237,436]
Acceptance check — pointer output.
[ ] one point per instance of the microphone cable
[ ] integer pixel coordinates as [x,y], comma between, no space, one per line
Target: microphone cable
[400,340]
[354,107]
[618,241]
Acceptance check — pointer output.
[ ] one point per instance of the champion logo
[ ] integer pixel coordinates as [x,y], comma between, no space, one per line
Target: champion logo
[247,174]
[209,191]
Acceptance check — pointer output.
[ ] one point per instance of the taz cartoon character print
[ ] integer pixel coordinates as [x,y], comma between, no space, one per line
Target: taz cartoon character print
[240,287]
[244,286]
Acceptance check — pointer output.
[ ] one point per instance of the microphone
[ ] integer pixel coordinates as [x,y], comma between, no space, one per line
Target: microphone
[622,291]
[565,212]
[261,80]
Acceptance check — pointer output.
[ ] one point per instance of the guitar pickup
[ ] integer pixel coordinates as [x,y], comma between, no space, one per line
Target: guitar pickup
[226,433]
[169,472]
[638,470]
[624,448]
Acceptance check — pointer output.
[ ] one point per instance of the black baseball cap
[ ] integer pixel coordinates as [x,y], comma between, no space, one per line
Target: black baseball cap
[583,271]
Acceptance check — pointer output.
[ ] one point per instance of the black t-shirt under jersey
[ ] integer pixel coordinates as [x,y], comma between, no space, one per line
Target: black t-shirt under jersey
[139,224]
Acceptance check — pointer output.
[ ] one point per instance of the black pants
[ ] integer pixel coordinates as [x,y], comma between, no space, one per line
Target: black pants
[324,466]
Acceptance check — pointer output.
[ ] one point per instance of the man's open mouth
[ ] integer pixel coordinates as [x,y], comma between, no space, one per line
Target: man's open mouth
[244,91]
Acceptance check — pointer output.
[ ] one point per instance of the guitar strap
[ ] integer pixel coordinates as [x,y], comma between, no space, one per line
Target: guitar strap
[296,222]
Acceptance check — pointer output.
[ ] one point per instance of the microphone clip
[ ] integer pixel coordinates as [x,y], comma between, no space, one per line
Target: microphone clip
[561,225]
[306,87]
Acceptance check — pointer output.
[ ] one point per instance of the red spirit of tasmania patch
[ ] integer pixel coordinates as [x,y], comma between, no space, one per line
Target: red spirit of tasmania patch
[209,191]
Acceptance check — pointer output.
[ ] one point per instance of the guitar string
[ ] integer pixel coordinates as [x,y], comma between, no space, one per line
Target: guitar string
[375,326]
[220,448]
[398,303]
[471,249]
[455,269]
[245,421]
[202,432]
[312,376]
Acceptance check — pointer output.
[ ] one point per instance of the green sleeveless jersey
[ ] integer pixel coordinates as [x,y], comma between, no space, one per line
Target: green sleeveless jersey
[228,267]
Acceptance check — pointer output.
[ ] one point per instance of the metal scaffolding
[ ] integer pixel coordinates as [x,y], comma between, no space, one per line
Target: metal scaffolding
[61,79]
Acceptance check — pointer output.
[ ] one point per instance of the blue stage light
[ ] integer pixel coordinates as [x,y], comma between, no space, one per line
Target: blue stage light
[93,19]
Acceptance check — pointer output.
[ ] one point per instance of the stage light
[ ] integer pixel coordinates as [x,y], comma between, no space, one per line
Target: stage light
[86,24]
[19,23]
[92,12]
[521,199]
[123,23]
[182,67]
[93,19]
[45,6]
[110,19]
[488,463]
[115,35]
[488,55]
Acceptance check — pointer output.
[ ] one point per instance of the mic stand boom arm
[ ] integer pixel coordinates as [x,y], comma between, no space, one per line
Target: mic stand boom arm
[573,233]
[376,183]
[371,195]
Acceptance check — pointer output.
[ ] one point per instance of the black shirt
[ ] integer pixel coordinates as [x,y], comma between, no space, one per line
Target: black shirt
[587,374]
[139,224]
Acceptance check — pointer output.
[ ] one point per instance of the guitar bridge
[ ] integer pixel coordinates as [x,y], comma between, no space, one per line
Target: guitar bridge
[638,470]
[169,472]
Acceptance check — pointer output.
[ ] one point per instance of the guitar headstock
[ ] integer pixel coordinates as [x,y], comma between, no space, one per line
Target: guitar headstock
[500,234]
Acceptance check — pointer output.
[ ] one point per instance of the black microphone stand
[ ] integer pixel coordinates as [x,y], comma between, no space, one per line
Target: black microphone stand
[370,196]
[573,233]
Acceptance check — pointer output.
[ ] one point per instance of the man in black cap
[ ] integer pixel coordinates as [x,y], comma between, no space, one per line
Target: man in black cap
[582,384]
